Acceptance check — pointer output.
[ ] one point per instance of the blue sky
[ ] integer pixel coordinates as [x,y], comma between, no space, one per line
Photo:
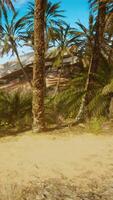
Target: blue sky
[74,10]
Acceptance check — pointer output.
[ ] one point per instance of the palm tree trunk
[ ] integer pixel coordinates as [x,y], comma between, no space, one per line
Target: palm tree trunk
[39,68]
[110,54]
[22,67]
[82,110]
[59,78]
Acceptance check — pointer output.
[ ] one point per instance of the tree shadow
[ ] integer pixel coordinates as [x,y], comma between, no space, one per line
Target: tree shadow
[53,129]
[57,127]
[13,131]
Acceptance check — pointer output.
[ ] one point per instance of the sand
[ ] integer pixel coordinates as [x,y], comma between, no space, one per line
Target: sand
[80,157]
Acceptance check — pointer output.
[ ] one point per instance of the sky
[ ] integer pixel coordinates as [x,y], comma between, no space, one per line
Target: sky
[75,10]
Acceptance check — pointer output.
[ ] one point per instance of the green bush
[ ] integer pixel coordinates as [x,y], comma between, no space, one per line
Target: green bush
[95,124]
[15,109]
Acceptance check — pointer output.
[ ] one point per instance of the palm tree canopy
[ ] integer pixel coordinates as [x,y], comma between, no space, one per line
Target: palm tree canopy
[8,3]
[53,14]
[99,3]
[12,31]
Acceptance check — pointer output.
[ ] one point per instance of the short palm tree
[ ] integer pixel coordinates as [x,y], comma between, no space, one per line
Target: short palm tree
[85,40]
[12,35]
[63,36]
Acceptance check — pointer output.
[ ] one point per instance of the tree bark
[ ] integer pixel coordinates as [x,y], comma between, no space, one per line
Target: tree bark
[39,68]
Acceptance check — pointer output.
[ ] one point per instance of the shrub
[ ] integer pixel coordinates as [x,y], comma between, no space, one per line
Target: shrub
[15,109]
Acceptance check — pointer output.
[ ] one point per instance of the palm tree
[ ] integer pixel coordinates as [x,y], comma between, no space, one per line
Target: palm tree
[52,15]
[95,59]
[63,38]
[85,41]
[6,2]
[12,34]
[108,43]
[39,67]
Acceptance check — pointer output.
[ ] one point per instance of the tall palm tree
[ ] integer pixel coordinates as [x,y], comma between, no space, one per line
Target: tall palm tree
[52,15]
[39,67]
[96,57]
[12,34]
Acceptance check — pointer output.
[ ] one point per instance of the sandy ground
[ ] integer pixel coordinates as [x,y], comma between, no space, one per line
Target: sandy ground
[80,157]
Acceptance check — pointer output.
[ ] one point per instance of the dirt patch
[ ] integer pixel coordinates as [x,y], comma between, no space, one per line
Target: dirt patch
[82,163]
